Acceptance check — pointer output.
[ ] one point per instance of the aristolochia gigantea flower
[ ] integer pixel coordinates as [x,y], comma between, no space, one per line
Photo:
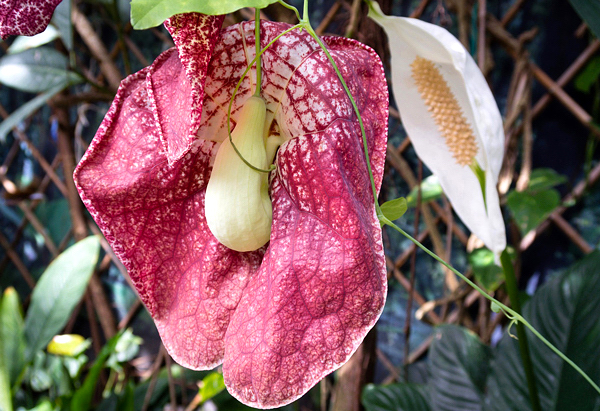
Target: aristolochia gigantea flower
[25,17]
[451,118]
[284,315]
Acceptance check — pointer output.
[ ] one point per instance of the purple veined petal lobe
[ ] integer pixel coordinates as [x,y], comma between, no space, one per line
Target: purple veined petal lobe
[25,17]
[195,36]
[281,317]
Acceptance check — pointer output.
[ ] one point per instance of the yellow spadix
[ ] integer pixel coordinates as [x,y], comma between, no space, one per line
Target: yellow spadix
[237,204]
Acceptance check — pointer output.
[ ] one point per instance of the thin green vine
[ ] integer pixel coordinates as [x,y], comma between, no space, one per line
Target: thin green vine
[257,48]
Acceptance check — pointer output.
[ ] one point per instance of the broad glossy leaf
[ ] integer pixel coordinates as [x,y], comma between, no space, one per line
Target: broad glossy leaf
[57,293]
[544,178]
[529,208]
[25,17]
[23,43]
[212,385]
[12,334]
[395,397]
[36,70]
[589,11]
[459,364]
[589,75]
[150,13]
[565,311]
[26,110]
[62,20]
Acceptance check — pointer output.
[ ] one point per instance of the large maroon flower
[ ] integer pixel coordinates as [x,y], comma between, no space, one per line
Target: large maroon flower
[282,317]
[25,17]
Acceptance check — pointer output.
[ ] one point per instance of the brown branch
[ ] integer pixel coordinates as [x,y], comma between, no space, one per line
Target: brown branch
[355,12]
[328,18]
[16,260]
[97,48]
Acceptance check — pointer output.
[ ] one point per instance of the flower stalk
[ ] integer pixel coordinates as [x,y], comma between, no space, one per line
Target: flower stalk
[513,294]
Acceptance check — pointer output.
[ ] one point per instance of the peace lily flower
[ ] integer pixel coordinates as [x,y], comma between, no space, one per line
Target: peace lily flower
[25,17]
[451,117]
[279,316]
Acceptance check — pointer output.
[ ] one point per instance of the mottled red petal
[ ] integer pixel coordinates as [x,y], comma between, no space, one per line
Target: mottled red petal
[25,17]
[285,316]
[195,36]
[152,213]
[322,283]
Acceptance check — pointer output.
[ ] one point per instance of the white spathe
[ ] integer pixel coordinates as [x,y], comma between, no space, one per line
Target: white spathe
[409,38]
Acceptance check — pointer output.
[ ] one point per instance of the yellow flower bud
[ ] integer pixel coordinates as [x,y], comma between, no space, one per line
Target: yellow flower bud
[237,204]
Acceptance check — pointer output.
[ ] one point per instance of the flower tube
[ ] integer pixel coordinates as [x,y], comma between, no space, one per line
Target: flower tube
[281,317]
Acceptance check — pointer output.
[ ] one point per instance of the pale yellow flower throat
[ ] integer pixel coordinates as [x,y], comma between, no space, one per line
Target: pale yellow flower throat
[445,110]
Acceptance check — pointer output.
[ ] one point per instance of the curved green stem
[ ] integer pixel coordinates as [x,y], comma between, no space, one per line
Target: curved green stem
[513,294]
[515,315]
[290,7]
[257,46]
[237,87]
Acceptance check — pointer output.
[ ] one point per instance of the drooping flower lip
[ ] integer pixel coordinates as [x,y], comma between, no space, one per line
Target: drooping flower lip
[417,45]
[281,317]
[25,17]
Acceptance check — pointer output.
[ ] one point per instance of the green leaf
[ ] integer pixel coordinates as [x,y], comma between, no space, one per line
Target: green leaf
[57,293]
[150,13]
[126,349]
[565,311]
[529,209]
[486,272]
[212,384]
[588,76]
[544,178]
[495,307]
[54,216]
[62,20]
[5,392]
[12,334]
[36,70]
[22,43]
[395,397]
[82,399]
[430,190]
[589,11]
[459,365]
[394,209]
[27,109]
